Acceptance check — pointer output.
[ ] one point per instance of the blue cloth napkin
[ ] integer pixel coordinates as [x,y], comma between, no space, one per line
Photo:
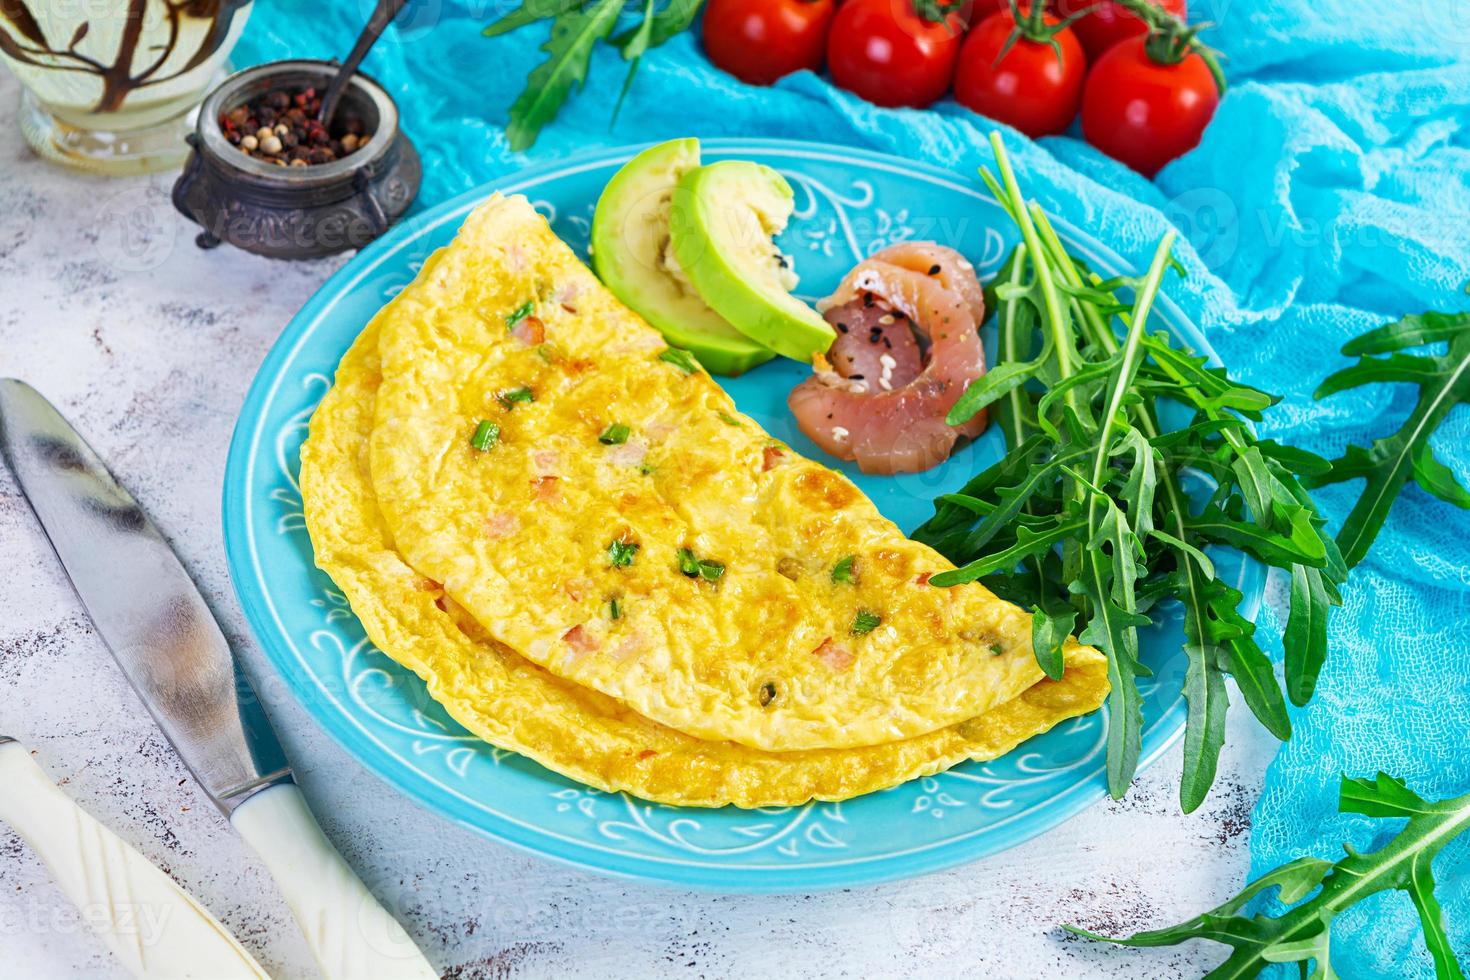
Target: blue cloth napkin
[1331,194]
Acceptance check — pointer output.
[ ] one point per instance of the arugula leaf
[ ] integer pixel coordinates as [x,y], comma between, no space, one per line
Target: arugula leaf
[1212,386]
[632,45]
[1049,631]
[674,19]
[1013,499]
[1302,933]
[1210,621]
[1110,586]
[1027,544]
[1086,519]
[1107,581]
[1256,681]
[992,386]
[1299,461]
[1301,545]
[529,12]
[576,27]
[1312,599]
[1391,462]
[574,32]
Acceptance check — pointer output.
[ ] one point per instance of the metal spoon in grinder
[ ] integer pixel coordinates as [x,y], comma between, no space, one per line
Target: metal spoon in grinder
[382,16]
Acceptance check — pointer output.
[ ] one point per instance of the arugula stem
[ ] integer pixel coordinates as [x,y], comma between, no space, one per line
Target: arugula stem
[1061,337]
[1015,416]
[1128,367]
[1097,327]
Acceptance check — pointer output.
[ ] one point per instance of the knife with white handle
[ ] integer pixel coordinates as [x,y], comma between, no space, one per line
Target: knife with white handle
[168,643]
[154,927]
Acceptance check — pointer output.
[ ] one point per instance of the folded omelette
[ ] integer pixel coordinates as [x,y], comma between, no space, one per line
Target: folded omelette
[633,584]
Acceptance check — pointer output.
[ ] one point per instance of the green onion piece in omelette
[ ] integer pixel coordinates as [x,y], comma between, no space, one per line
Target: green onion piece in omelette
[621,553]
[842,571]
[615,434]
[519,313]
[710,571]
[680,358]
[865,622]
[509,398]
[729,419]
[487,434]
[614,609]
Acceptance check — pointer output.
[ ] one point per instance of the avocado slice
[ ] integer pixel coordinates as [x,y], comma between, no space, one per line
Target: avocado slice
[632,256]
[722,224]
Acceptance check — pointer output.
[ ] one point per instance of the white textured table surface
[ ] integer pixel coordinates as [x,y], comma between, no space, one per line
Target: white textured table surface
[148,345]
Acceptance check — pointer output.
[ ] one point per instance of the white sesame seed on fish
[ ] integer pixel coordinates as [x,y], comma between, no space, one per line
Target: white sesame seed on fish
[888,362]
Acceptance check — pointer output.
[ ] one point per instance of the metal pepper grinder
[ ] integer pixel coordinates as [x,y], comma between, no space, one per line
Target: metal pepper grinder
[302,211]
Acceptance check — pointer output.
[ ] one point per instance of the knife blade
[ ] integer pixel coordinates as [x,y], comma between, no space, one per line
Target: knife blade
[142,601]
[170,646]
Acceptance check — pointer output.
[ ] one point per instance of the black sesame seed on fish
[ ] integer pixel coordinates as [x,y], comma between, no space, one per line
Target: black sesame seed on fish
[854,377]
[842,328]
[934,270]
[867,299]
[888,343]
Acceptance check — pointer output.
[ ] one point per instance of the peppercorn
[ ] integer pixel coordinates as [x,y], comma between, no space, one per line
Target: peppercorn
[281,127]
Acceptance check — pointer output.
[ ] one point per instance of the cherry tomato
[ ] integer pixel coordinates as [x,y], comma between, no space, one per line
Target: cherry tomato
[982,9]
[1033,87]
[1110,22]
[1145,113]
[884,51]
[758,41]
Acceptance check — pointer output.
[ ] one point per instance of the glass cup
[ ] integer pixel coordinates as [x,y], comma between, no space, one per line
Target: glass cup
[111,86]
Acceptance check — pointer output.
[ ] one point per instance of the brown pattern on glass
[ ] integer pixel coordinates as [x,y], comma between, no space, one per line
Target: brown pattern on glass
[26,42]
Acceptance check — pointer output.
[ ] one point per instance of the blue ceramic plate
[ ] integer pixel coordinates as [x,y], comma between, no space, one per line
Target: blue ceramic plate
[849,203]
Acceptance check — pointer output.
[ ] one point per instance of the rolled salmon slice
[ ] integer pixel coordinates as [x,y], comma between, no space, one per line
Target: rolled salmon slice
[910,348]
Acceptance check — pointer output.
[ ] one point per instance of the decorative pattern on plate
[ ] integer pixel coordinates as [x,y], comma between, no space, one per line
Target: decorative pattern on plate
[849,203]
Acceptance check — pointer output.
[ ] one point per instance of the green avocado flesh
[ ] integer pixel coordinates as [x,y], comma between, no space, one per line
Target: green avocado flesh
[723,220]
[632,256]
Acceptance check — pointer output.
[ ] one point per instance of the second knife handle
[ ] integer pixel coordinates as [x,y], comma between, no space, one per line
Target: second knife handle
[351,935]
[156,929]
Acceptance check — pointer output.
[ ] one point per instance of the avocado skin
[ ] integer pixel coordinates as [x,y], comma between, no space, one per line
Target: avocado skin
[764,312]
[619,230]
